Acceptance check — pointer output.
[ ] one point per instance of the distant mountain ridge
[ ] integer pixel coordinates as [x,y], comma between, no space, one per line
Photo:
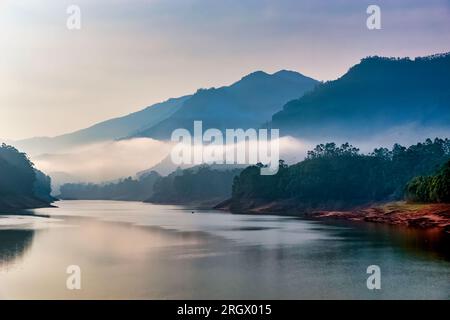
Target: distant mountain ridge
[376,94]
[247,103]
[104,131]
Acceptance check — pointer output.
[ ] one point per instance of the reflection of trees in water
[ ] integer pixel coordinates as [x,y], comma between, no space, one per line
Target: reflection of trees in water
[431,243]
[14,244]
[434,242]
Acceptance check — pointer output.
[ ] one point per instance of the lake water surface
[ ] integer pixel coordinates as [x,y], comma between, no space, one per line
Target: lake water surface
[132,250]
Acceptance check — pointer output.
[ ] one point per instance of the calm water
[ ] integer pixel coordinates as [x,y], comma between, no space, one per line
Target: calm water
[143,251]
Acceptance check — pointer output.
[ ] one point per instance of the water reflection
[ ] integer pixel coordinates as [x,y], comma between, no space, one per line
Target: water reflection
[432,243]
[142,251]
[13,245]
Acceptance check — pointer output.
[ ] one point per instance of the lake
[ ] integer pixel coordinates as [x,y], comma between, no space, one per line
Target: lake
[132,250]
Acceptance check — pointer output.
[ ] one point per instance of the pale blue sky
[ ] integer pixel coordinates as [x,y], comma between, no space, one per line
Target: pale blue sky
[129,54]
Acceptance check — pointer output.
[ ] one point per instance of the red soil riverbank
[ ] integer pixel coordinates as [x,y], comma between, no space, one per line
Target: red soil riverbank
[424,216]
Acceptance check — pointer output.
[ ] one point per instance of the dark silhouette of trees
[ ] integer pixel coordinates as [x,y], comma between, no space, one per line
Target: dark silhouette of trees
[435,188]
[126,189]
[200,183]
[20,182]
[17,175]
[42,186]
[374,95]
[340,176]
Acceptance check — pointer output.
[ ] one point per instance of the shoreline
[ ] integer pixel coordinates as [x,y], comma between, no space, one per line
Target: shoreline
[400,213]
[18,204]
[412,215]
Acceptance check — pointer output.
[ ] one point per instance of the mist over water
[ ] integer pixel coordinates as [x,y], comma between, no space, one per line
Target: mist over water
[105,161]
[134,250]
[113,160]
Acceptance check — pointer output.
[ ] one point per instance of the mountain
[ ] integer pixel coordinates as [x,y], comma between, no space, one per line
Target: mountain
[104,131]
[167,166]
[21,185]
[247,103]
[373,96]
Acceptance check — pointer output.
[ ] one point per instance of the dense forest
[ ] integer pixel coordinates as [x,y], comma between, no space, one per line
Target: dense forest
[434,188]
[337,177]
[21,185]
[128,189]
[375,95]
[199,184]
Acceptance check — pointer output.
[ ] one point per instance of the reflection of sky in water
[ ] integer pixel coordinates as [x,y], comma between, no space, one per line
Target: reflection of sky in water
[26,222]
[245,229]
[164,252]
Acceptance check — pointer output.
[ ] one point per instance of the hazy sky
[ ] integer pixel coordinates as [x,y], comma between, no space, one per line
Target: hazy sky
[132,53]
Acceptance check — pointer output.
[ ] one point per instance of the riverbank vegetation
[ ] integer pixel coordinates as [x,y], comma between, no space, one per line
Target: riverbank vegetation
[202,185]
[127,189]
[340,177]
[21,185]
[432,189]
[198,185]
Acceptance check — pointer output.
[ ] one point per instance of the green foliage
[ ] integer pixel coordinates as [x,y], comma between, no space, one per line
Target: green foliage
[330,150]
[340,176]
[42,186]
[17,175]
[374,95]
[199,183]
[125,189]
[434,188]
[19,179]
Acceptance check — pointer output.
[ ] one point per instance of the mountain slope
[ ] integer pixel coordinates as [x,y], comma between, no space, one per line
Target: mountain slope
[376,94]
[245,104]
[104,131]
[21,185]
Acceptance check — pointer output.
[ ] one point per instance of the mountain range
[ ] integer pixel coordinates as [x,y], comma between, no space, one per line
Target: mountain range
[108,130]
[375,95]
[248,103]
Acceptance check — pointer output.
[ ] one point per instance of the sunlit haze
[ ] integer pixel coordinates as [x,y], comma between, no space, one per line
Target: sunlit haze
[131,54]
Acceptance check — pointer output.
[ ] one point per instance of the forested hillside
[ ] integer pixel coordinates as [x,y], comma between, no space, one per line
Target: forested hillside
[374,96]
[434,188]
[336,177]
[21,185]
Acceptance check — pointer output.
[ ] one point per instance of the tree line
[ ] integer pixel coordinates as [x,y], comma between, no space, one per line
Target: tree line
[335,177]
[434,188]
[127,189]
[200,183]
[19,179]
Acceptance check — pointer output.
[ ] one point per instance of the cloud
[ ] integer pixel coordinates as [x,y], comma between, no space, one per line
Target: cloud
[112,160]
[104,161]
[135,53]
[108,161]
